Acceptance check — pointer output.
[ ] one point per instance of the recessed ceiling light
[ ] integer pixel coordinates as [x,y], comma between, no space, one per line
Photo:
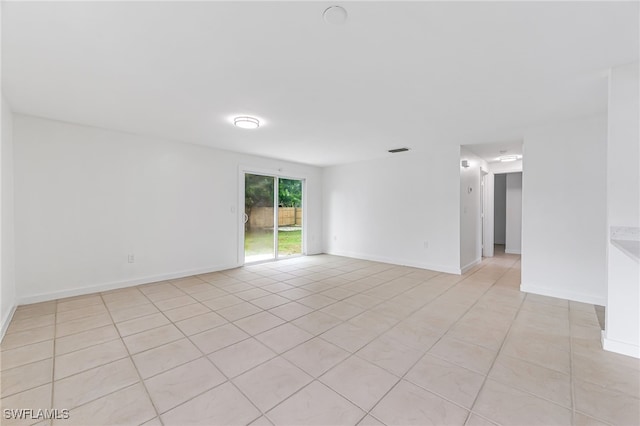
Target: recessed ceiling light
[246,122]
[507,158]
[335,15]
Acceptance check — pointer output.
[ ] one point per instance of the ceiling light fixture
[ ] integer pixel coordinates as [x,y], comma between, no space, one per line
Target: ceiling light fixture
[507,158]
[246,122]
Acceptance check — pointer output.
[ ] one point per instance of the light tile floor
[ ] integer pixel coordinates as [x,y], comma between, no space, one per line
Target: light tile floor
[319,340]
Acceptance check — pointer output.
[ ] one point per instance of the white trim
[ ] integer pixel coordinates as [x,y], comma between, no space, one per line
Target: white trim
[79,291]
[6,321]
[620,347]
[394,261]
[488,215]
[240,215]
[305,211]
[512,251]
[280,173]
[562,294]
[469,266]
[276,214]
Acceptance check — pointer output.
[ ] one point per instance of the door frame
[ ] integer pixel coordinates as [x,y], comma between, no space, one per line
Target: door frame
[277,174]
[487,181]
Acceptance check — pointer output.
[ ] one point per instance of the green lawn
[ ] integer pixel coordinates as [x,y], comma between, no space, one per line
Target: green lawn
[260,242]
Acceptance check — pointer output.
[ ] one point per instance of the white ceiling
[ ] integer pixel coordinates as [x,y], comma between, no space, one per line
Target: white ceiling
[396,74]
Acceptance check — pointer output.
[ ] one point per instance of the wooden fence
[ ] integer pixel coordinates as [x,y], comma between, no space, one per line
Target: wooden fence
[262,217]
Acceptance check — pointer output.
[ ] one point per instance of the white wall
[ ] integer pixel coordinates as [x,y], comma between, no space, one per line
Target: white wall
[623,181]
[500,208]
[8,286]
[564,210]
[85,198]
[470,210]
[623,210]
[513,222]
[387,209]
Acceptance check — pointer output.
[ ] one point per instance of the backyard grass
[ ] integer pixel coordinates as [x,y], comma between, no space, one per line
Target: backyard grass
[260,242]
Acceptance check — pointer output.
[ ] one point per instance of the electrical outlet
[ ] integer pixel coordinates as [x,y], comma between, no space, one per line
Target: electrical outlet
[131,258]
[426,244]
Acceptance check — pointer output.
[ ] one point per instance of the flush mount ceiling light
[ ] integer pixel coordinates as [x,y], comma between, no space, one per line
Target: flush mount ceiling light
[335,15]
[246,122]
[507,158]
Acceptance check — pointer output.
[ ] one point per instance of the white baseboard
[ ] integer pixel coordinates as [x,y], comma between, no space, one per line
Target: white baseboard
[468,266]
[6,321]
[79,291]
[395,261]
[620,347]
[562,294]
[508,251]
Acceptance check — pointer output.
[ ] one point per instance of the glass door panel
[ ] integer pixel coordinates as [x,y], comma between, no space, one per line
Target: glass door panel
[289,217]
[259,218]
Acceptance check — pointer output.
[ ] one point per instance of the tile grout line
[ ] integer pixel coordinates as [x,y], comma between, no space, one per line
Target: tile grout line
[130,357]
[53,360]
[438,340]
[541,397]
[486,377]
[206,357]
[352,354]
[470,409]
[402,377]
[274,357]
[368,309]
[252,336]
[572,383]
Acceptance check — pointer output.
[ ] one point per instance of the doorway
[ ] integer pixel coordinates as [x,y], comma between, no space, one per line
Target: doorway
[273,217]
[508,212]
[480,166]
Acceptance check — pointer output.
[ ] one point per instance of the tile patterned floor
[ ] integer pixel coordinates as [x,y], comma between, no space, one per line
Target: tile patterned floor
[319,340]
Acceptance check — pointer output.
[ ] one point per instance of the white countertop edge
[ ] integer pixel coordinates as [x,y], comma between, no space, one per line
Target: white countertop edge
[624,233]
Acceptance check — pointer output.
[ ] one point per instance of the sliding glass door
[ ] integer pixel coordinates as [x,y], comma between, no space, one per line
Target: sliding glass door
[289,217]
[272,217]
[259,202]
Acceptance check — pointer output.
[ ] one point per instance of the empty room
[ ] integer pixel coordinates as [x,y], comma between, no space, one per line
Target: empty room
[313,213]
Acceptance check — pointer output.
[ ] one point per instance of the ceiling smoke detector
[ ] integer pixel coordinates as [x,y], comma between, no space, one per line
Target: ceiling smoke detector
[246,122]
[335,15]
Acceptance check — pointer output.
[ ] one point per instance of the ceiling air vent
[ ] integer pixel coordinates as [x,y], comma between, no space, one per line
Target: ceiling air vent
[396,150]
